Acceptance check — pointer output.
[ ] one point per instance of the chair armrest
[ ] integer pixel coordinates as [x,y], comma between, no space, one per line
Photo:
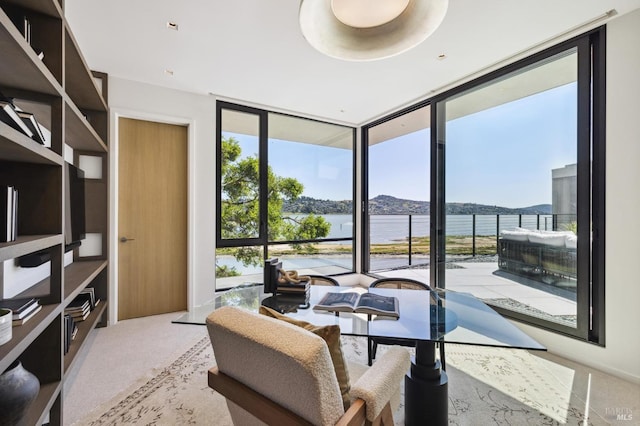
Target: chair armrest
[378,384]
[355,415]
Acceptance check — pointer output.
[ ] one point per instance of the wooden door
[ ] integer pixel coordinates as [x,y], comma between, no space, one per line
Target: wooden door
[152,218]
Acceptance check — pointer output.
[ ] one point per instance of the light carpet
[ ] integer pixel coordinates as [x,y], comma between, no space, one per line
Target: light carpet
[487,386]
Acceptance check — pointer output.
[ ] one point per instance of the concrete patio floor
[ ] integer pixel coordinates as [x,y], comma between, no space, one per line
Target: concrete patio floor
[486,281]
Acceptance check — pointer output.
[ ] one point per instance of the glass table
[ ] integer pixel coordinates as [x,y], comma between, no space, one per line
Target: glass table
[426,319]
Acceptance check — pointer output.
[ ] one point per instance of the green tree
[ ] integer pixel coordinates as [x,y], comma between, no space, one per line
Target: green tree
[241,212]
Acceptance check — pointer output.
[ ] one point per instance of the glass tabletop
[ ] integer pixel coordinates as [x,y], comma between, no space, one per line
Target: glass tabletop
[437,316]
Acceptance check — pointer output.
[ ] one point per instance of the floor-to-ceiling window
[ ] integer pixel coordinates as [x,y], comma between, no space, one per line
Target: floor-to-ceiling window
[396,234]
[286,191]
[517,189]
[511,151]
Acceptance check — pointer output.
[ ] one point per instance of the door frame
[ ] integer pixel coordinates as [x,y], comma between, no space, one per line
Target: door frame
[114,152]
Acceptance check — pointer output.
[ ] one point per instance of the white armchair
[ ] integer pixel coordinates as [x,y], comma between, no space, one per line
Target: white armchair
[274,372]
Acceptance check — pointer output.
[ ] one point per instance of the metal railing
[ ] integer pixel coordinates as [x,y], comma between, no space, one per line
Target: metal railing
[471,235]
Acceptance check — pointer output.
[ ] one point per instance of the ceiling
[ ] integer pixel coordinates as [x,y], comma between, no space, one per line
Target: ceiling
[252,50]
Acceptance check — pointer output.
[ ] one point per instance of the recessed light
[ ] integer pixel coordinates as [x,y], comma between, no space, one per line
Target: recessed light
[442,56]
[168,72]
[172,26]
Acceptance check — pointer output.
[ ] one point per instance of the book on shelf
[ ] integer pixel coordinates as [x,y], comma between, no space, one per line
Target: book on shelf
[88,293]
[28,316]
[78,304]
[80,315]
[33,125]
[79,309]
[70,331]
[20,307]
[6,201]
[362,303]
[9,115]
[46,134]
[21,22]
[14,215]
[8,213]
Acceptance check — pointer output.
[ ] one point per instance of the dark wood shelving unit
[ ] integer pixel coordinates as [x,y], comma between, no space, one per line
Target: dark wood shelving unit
[25,334]
[69,100]
[41,407]
[26,244]
[84,328]
[79,274]
[15,146]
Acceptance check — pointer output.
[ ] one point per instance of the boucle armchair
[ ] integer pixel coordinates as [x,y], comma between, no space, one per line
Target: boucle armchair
[274,372]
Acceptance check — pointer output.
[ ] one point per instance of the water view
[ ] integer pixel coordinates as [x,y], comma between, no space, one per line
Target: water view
[394,228]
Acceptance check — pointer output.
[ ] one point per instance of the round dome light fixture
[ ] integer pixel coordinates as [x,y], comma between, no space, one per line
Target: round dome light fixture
[362,30]
[361,14]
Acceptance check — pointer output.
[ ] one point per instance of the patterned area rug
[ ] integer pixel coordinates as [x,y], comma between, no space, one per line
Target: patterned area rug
[487,386]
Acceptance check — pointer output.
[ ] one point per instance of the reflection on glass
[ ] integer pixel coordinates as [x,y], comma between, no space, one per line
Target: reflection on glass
[238,265]
[398,182]
[321,258]
[510,188]
[240,209]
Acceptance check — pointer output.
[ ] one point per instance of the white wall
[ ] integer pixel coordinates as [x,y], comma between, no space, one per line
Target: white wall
[621,356]
[142,101]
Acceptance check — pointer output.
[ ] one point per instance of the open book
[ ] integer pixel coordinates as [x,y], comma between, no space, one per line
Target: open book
[363,303]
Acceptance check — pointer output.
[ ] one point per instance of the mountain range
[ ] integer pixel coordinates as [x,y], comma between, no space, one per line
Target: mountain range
[386,204]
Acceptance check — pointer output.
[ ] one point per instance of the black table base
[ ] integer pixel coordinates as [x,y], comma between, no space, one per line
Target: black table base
[426,389]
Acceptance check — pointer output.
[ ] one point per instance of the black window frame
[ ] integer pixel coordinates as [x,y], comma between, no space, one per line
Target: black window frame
[263,154]
[263,162]
[591,48]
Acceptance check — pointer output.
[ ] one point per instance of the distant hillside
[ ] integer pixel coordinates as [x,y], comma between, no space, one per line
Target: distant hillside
[386,204]
[312,205]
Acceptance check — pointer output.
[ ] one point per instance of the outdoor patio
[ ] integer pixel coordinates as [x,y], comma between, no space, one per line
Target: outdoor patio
[487,282]
[479,276]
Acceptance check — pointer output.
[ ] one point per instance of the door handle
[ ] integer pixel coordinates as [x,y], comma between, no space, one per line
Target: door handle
[125,239]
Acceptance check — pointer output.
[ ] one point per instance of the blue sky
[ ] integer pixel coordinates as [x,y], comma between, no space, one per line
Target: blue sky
[500,156]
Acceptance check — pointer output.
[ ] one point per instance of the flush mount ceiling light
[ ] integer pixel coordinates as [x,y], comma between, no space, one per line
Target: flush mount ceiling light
[361,30]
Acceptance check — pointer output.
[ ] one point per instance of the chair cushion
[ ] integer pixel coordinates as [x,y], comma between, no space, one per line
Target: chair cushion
[331,335]
[283,362]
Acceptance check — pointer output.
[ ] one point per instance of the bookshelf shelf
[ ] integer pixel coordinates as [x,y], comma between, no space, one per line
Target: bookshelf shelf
[80,134]
[25,334]
[39,408]
[46,7]
[26,244]
[14,146]
[43,72]
[25,71]
[84,328]
[80,84]
[79,274]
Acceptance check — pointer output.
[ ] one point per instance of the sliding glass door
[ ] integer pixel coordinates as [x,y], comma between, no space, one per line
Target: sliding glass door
[516,179]
[511,155]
